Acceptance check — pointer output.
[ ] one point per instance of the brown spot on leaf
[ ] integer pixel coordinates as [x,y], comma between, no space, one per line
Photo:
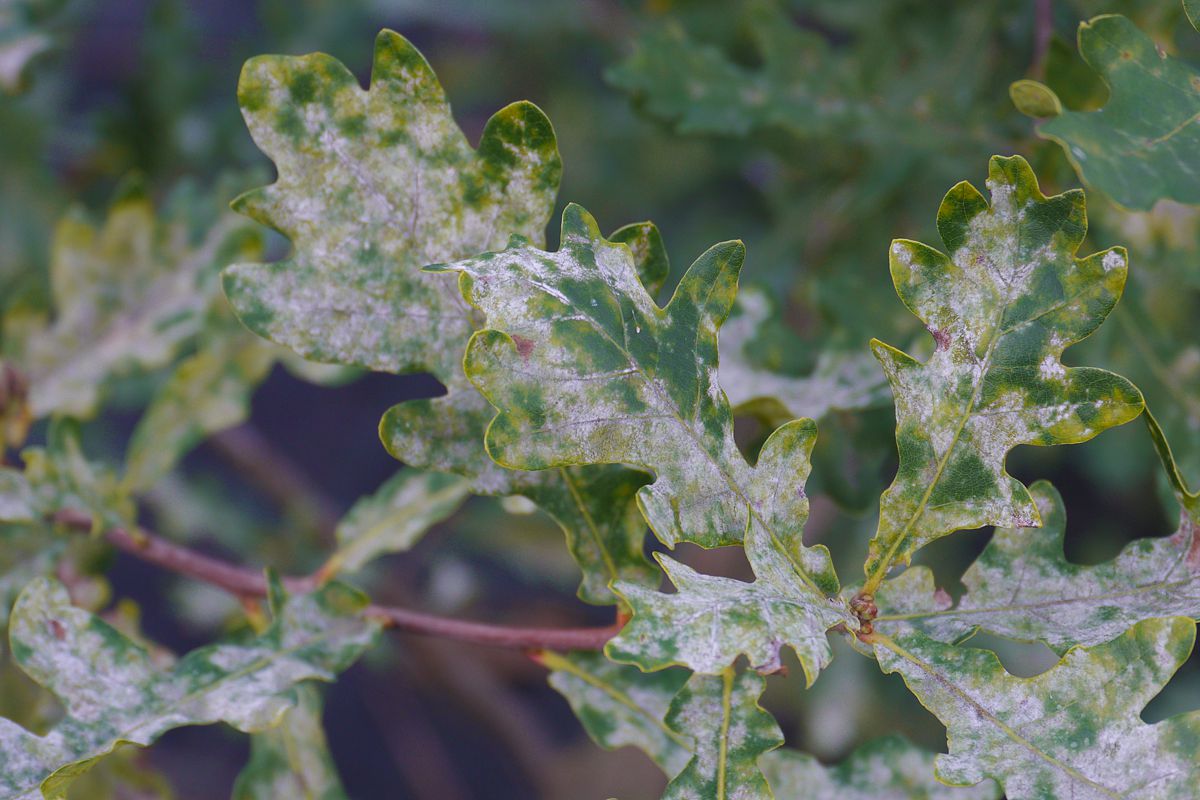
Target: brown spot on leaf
[524,345]
[57,629]
[942,599]
[941,337]
[1193,555]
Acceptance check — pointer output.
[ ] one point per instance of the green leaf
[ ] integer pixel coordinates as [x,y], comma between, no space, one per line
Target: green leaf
[890,768]
[292,759]
[26,552]
[113,693]
[1188,499]
[585,368]
[61,477]
[708,621]
[1002,306]
[700,90]
[1142,145]
[127,295]
[1073,731]
[207,392]
[17,500]
[400,187]
[731,732]
[394,518]
[404,189]
[840,381]
[1022,586]
[621,706]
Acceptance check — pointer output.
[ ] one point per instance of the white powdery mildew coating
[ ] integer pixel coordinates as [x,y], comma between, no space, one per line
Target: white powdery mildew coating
[1002,307]
[292,760]
[1022,586]
[721,715]
[839,381]
[373,185]
[112,692]
[890,768]
[623,706]
[127,296]
[1073,731]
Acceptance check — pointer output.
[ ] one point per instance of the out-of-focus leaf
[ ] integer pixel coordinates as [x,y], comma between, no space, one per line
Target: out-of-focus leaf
[207,392]
[25,33]
[114,694]
[26,552]
[60,476]
[731,731]
[292,759]
[1022,586]
[840,381]
[1072,731]
[1002,307]
[394,517]
[1142,145]
[126,295]
[621,705]
[891,768]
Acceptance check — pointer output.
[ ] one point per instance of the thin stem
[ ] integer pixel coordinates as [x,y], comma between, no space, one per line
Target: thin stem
[247,582]
[1043,30]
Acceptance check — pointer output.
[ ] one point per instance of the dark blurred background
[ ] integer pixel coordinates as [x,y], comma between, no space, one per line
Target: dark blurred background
[137,86]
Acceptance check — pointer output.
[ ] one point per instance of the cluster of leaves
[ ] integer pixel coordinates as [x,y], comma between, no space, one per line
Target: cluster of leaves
[568,384]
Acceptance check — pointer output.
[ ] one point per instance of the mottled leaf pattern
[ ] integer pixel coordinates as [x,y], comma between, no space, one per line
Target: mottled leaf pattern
[891,768]
[113,693]
[127,295]
[731,732]
[60,476]
[621,705]
[400,188]
[394,517]
[292,759]
[840,381]
[1073,731]
[1002,307]
[1142,145]
[1022,586]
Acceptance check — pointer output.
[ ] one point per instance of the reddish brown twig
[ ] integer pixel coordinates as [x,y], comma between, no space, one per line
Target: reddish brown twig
[246,582]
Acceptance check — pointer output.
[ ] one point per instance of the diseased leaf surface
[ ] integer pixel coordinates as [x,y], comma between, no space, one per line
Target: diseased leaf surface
[620,705]
[127,295]
[1022,586]
[112,692]
[891,768]
[1002,307]
[1142,145]
[1073,731]
[721,714]
[292,759]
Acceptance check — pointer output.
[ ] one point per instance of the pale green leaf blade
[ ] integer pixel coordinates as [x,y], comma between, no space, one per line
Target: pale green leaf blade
[394,518]
[127,295]
[840,381]
[1142,146]
[113,693]
[1073,731]
[292,759]
[731,731]
[17,500]
[620,705]
[399,187]
[1002,306]
[205,393]
[1022,586]
[27,31]
[62,477]
[890,768]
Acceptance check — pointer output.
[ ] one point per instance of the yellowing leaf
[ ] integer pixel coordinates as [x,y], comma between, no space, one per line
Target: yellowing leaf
[1002,307]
